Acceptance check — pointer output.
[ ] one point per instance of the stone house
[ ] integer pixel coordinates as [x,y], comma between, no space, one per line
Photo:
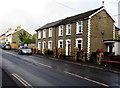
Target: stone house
[91,30]
[2,39]
[12,36]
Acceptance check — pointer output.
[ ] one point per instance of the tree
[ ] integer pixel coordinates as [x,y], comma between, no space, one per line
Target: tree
[33,40]
[24,38]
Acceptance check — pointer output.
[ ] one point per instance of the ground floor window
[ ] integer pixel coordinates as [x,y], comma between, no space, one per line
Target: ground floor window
[79,43]
[44,46]
[60,43]
[39,45]
[50,45]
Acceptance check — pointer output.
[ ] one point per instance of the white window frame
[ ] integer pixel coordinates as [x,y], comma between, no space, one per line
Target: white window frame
[44,33]
[39,34]
[61,28]
[78,26]
[67,29]
[59,43]
[43,46]
[81,42]
[68,40]
[50,47]
[50,32]
[39,47]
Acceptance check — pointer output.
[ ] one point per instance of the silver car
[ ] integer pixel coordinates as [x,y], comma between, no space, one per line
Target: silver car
[6,46]
[24,50]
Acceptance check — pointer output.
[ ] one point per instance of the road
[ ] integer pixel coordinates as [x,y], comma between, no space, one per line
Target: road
[43,71]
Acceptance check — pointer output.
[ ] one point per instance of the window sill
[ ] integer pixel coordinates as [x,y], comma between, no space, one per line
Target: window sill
[60,35]
[79,33]
[68,34]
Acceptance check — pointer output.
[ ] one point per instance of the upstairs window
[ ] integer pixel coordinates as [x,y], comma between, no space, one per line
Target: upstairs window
[61,30]
[50,32]
[68,29]
[39,34]
[60,43]
[79,27]
[44,33]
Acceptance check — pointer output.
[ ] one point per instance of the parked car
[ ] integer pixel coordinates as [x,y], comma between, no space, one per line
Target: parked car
[6,46]
[24,50]
[1,45]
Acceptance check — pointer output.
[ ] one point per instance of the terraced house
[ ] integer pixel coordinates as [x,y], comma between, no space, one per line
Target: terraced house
[91,30]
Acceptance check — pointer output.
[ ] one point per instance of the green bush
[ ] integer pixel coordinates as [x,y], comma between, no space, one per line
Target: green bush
[49,52]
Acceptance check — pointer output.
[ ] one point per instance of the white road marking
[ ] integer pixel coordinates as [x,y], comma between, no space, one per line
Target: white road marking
[86,78]
[45,65]
[25,83]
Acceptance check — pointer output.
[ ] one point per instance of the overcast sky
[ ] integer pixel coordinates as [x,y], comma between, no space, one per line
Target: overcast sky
[32,14]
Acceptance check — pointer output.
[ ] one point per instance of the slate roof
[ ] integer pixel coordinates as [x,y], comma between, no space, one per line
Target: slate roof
[71,19]
[117,29]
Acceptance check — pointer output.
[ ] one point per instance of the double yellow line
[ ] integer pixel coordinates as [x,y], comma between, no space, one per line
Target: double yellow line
[21,80]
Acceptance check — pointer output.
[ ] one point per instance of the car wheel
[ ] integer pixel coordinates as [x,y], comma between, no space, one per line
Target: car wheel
[20,52]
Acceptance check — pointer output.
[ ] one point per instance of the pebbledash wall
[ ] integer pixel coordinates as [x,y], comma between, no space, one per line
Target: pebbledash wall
[97,26]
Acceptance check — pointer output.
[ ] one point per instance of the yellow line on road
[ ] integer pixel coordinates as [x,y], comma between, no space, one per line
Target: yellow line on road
[25,83]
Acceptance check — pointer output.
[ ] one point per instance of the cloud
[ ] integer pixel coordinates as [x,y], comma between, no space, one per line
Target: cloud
[31,14]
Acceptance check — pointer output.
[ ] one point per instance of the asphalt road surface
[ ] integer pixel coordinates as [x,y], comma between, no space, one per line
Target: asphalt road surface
[36,71]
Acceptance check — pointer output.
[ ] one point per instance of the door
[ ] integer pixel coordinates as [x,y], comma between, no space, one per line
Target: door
[68,47]
[44,45]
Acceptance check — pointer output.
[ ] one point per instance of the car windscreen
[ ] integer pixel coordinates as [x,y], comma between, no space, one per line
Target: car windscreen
[25,47]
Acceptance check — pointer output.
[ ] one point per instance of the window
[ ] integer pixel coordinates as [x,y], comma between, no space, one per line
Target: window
[60,43]
[61,30]
[39,34]
[79,43]
[44,33]
[68,29]
[43,46]
[39,45]
[79,27]
[50,45]
[50,32]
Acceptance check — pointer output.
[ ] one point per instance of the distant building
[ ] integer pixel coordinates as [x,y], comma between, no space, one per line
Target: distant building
[11,36]
[2,39]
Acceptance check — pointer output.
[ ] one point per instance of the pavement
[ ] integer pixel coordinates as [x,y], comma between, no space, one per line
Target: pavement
[86,64]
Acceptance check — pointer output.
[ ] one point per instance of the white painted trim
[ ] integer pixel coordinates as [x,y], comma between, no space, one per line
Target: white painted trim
[39,34]
[44,33]
[39,47]
[50,32]
[96,12]
[67,47]
[114,32]
[67,29]
[77,28]
[59,43]
[81,42]
[43,46]
[88,42]
[59,33]
[49,45]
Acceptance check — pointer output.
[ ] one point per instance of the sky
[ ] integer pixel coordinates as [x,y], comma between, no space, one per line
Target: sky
[32,14]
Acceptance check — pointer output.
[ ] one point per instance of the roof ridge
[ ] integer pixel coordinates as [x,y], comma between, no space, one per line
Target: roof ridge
[70,19]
